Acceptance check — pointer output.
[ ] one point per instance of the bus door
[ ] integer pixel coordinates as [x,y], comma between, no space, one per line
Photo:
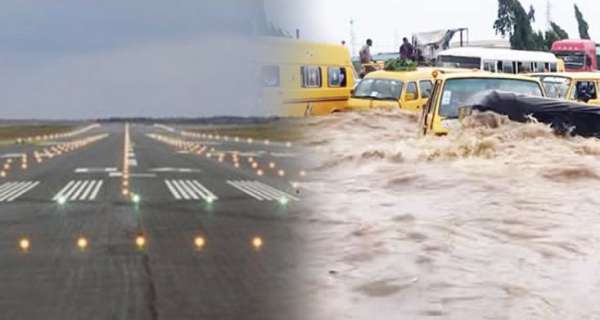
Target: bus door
[428,112]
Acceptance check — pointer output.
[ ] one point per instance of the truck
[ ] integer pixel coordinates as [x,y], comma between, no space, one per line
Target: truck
[578,55]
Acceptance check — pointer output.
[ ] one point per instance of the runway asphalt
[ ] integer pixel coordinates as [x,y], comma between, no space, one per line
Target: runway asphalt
[195,237]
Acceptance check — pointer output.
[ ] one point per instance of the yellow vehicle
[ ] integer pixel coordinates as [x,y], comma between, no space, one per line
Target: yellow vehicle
[392,89]
[452,91]
[302,78]
[574,86]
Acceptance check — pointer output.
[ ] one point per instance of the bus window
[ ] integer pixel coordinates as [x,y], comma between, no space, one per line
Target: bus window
[426,87]
[553,67]
[540,67]
[311,77]
[489,66]
[337,77]
[525,67]
[270,76]
[507,67]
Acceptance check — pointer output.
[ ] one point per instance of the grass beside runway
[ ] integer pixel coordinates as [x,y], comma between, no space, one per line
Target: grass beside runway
[10,133]
[281,131]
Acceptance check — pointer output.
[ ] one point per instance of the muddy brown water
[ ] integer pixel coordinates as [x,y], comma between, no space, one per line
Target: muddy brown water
[498,220]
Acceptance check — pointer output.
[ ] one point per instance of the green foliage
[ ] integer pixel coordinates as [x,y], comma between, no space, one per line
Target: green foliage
[400,65]
[554,34]
[514,21]
[583,25]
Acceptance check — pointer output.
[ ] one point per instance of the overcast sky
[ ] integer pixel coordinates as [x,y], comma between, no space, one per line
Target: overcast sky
[387,21]
[102,58]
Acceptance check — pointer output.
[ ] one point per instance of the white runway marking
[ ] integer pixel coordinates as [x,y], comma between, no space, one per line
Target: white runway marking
[189,190]
[12,155]
[80,190]
[180,170]
[261,191]
[11,191]
[95,170]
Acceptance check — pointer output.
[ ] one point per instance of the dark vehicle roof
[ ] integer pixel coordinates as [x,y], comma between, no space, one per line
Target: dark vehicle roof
[564,116]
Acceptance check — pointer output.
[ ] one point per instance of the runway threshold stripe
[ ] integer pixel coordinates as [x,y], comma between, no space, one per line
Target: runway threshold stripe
[261,191]
[14,190]
[79,190]
[29,187]
[181,190]
[95,192]
[60,193]
[189,190]
[14,187]
[241,187]
[172,189]
[87,190]
[82,190]
[208,194]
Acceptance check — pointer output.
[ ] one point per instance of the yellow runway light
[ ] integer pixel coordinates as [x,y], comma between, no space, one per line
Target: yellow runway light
[82,243]
[140,241]
[24,244]
[199,242]
[257,242]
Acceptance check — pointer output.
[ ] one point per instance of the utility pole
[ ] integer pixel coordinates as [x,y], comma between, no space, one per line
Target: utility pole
[353,43]
[548,14]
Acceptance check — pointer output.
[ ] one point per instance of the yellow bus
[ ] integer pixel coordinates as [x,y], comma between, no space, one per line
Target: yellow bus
[302,78]
[573,86]
[451,91]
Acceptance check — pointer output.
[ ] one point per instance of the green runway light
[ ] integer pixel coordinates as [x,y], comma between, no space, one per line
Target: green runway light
[62,200]
[136,198]
[283,201]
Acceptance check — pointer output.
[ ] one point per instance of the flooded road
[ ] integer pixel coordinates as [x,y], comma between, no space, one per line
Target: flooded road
[496,221]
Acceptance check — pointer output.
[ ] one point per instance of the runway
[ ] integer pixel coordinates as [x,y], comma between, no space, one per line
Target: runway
[138,222]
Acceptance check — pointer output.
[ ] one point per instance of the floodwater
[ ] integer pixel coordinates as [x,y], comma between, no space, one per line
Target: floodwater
[497,221]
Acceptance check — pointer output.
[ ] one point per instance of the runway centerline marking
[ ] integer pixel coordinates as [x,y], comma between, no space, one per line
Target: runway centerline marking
[260,191]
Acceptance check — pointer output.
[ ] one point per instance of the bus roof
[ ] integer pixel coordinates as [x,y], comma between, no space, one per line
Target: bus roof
[500,54]
[285,50]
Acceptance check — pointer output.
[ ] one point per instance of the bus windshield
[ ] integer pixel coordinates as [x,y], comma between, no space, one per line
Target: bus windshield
[573,60]
[457,92]
[556,87]
[379,89]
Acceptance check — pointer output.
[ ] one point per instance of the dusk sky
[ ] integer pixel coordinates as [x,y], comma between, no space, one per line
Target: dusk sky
[86,59]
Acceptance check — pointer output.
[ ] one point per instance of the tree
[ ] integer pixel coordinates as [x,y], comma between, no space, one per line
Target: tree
[516,22]
[555,33]
[583,25]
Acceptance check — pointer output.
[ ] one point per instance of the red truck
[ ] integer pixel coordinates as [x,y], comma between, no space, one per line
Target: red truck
[578,55]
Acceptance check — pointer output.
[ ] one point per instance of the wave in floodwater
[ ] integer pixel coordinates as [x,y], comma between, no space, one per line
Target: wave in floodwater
[498,220]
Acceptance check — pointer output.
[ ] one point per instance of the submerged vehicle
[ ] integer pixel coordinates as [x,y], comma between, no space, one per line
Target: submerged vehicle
[392,89]
[573,86]
[565,117]
[454,90]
